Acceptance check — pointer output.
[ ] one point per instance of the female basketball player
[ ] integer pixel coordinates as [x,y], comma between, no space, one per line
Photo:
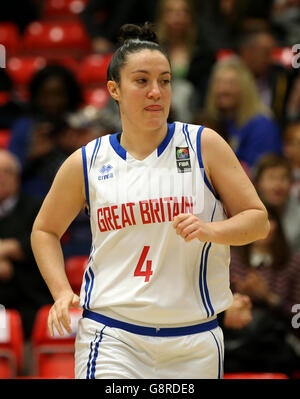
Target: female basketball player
[158,270]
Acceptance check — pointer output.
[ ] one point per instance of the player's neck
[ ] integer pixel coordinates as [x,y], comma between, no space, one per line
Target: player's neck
[141,144]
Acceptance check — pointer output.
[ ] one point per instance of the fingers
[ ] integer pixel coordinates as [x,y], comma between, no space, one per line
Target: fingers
[186,225]
[59,315]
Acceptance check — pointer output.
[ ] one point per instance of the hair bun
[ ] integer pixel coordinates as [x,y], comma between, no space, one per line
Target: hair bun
[141,32]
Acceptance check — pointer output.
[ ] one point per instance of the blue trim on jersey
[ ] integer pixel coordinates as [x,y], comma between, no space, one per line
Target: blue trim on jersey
[201,283]
[213,214]
[201,163]
[113,139]
[95,152]
[86,181]
[151,331]
[88,287]
[87,283]
[185,134]
[219,355]
[205,281]
[185,127]
[163,145]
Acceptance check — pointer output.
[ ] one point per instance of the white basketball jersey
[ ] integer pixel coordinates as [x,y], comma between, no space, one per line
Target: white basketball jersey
[140,271]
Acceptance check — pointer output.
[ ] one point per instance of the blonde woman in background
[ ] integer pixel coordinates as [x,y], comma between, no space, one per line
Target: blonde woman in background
[232,100]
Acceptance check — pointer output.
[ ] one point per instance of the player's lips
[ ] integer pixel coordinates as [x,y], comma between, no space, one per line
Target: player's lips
[154,108]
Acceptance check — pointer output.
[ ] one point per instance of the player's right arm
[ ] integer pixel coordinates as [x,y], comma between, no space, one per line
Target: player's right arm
[62,204]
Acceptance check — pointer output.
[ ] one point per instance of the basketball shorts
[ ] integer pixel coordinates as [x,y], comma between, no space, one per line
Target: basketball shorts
[105,350]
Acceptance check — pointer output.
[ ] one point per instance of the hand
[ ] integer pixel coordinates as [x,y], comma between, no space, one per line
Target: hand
[59,313]
[238,315]
[189,227]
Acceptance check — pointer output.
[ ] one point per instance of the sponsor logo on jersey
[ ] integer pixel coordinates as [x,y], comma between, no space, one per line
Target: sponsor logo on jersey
[183,160]
[105,172]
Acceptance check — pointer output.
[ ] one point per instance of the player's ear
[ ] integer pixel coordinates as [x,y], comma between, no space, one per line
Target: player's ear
[113,89]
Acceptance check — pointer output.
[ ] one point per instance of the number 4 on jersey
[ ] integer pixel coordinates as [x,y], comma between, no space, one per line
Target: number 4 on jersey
[138,270]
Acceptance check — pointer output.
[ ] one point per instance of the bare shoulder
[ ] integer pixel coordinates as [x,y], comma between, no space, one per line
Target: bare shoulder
[216,151]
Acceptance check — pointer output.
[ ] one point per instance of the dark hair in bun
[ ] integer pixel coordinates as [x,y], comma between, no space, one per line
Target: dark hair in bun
[143,33]
[132,38]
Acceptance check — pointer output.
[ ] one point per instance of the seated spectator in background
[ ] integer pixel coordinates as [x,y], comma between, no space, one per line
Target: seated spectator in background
[233,100]
[10,108]
[273,181]
[54,92]
[103,18]
[291,140]
[269,274]
[177,32]
[21,285]
[273,81]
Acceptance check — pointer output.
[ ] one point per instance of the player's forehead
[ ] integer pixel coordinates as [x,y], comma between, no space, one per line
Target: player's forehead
[148,61]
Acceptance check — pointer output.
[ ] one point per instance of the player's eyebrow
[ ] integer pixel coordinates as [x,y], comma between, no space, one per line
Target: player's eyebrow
[147,72]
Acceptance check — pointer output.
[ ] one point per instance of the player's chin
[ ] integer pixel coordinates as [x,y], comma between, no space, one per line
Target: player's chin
[156,121]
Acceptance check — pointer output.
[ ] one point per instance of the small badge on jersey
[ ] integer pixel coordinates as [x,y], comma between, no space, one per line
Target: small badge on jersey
[183,159]
[105,172]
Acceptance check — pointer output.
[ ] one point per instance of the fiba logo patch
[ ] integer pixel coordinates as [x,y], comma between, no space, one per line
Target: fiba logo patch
[105,172]
[183,159]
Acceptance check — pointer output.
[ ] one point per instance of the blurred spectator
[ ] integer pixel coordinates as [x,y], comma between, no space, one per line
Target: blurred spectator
[232,100]
[285,19]
[10,107]
[176,30]
[103,18]
[21,285]
[291,138]
[54,92]
[221,21]
[273,81]
[273,180]
[293,101]
[269,273]
[20,12]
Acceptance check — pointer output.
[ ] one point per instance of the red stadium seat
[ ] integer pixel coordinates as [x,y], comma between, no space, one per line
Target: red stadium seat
[4,137]
[75,267]
[56,39]
[9,37]
[255,376]
[93,68]
[21,69]
[11,343]
[63,8]
[53,356]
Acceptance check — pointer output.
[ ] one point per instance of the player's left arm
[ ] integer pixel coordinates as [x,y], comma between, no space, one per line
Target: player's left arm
[248,219]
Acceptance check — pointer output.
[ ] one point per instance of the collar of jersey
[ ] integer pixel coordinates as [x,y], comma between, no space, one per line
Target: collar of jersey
[113,138]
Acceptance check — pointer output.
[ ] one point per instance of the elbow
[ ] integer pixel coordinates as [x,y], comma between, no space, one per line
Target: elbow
[265,225]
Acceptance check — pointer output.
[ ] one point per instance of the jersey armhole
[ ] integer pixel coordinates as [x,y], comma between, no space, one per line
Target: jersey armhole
[85,173]
[199,155]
